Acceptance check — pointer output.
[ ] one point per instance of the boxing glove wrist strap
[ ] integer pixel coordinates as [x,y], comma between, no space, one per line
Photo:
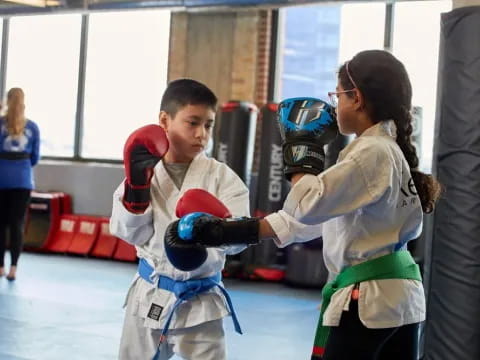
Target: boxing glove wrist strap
[303,156]
[240,231]
[136,198]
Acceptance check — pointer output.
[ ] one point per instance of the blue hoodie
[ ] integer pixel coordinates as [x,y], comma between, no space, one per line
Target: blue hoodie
[18,155]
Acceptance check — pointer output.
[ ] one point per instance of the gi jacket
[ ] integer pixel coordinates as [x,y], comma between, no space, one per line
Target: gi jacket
[369,207]
[147,230]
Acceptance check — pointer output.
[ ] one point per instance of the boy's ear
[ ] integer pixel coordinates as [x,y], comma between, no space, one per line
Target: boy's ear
[163,119]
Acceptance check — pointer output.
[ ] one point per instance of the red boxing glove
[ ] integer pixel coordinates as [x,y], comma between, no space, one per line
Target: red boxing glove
[198,200]
[144,148]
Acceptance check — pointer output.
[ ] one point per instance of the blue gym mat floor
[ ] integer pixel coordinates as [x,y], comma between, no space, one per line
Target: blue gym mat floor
[65,307]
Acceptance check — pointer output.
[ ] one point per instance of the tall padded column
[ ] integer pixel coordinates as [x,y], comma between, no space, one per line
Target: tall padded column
[452,273]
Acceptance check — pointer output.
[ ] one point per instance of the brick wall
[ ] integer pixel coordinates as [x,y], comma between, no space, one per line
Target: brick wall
[229,51]
[264,34]
[177,60]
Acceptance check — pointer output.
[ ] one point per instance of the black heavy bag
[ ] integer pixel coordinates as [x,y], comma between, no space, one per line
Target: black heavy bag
[266,261]
[235,137]
[452,271]
[305,266]
[234,145]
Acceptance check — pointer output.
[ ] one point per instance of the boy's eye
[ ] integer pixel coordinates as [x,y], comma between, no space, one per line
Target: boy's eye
[193,123]
[208,126]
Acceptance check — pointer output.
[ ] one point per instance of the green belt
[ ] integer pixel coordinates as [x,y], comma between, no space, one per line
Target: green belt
[398,265]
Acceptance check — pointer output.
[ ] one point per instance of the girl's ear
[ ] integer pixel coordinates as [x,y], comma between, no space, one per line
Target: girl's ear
[359,100]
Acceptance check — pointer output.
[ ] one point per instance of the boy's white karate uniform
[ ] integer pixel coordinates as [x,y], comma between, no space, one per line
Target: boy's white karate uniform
[196,327]
[369,208]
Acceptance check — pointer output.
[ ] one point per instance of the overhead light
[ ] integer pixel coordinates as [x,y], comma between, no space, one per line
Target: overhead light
[35,3]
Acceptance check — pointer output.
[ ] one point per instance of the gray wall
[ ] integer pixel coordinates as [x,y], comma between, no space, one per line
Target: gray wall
[91,185]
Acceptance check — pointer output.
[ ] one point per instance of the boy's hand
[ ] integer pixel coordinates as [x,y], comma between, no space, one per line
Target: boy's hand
[144,148]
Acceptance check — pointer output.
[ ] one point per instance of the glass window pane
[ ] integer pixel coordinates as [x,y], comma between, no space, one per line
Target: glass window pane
[366,36]
[127,60]
[417,47]
[309,56]
[43,55]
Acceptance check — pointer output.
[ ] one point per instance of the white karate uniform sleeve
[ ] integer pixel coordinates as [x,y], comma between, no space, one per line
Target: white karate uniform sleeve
[288,229]
[135,229]
[360,179]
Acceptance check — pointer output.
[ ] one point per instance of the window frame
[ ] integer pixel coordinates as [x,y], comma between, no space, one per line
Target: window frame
[277,42]
[80,101]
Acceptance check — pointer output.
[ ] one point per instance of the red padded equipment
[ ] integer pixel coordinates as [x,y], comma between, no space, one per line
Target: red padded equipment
[85,236]
[125,252]
[63,236]
[106,243]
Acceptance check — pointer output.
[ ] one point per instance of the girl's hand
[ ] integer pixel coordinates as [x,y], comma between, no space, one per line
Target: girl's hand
[296,178]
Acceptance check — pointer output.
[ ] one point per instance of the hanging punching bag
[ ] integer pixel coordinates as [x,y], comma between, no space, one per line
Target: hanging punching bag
[452,271]
[234,145]
[266,261]
[235,137]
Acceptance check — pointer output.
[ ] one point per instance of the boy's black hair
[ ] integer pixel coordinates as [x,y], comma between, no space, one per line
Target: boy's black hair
[183,92]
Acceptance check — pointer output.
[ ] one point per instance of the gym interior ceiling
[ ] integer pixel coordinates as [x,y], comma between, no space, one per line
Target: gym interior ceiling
[16,7]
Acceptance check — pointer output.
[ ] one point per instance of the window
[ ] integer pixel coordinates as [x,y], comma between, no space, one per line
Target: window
[126,74]
[42,59]
[362,27]
[309,56]
[416,38]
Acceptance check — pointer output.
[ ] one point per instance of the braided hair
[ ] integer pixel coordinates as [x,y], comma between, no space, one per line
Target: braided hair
[386,88]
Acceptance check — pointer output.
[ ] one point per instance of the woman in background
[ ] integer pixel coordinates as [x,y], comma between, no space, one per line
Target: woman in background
[19,152]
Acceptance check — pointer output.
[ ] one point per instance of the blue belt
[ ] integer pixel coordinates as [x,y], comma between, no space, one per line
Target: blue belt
[185,290]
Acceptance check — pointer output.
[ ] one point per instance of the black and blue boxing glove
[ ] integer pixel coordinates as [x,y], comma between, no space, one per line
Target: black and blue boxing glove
[183,253]
[306,126]
[197,231]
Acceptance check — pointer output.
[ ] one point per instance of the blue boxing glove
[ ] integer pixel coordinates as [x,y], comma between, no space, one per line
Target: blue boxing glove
[183,253]
[211,231]
[196,231]
[190,224]
[306,126]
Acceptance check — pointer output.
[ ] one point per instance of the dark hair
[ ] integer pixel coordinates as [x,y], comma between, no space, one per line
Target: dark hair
[387,91]
[183,92]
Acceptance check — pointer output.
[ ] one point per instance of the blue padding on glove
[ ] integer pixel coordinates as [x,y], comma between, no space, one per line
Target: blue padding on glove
[310,114]
[186,224]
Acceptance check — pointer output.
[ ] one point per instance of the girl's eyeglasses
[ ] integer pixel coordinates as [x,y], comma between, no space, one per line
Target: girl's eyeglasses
[333,96]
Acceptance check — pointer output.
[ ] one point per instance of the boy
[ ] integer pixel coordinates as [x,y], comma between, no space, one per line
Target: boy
[145,204]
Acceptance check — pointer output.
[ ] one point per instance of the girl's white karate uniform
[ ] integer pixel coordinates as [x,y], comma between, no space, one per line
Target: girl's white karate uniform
[368,205]
[196,327]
